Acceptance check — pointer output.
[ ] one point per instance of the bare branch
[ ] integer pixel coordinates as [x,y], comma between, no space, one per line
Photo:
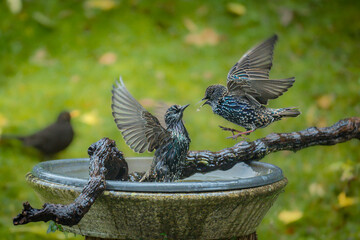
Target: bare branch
[206,161]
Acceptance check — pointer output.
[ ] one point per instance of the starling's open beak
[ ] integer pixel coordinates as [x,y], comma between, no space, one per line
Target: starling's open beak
[183,107]
[206,102]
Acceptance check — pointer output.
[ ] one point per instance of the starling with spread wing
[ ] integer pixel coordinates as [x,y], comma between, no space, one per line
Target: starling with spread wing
[143,132]
[248,90]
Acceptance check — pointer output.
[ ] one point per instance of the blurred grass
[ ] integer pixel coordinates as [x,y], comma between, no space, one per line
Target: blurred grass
[51,60]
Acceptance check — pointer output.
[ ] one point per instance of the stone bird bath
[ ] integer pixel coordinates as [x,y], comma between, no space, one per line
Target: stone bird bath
[217,205]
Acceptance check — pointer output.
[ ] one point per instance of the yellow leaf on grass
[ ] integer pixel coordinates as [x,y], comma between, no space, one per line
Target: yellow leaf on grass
[290,216]
[15,6]
[3,121]
[316,189]
[205,37]
[41,57]
[345,201]
[190,25]
[101,4]
[325,101]
[75,113]
[90,118]
[108,58]
[236,8]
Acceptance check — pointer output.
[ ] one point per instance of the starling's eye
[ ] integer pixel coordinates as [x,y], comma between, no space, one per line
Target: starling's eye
[91,150]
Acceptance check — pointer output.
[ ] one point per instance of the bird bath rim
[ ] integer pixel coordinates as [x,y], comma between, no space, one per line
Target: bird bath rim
[45,171]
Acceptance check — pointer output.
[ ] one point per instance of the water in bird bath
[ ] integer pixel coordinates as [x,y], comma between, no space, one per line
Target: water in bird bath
[79,169]
[240,170]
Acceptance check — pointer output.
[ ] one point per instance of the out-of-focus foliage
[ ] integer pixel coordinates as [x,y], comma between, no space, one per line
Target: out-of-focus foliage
[57,55]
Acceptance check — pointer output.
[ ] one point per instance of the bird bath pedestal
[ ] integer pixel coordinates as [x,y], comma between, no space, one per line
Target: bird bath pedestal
[218,205]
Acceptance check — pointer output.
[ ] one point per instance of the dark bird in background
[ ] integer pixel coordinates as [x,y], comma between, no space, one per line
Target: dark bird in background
[142,131]
[52,139]
[248,90]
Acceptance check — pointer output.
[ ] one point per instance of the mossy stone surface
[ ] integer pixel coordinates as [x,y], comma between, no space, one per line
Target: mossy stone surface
[137,215]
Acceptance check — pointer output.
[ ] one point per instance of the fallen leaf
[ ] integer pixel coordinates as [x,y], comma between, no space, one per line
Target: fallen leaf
[345,201]
[205,37]
[90,118]
[41,57]
[347,172]
[101,4]
[236,8]
[202,10]
[3,121]
[316,189]
[286,16]
[190,25]
[15,6]
[108,58]
[325,101]
[75,113]
[43,20]
[290,216]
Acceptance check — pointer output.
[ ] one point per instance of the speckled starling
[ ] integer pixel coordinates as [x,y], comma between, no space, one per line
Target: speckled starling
[52,139]
[248,90]
[142,131]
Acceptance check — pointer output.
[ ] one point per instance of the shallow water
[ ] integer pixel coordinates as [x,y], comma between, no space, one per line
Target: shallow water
[241,170]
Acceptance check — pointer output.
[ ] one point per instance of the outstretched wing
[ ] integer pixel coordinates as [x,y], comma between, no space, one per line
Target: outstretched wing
[250,75]
[140,129]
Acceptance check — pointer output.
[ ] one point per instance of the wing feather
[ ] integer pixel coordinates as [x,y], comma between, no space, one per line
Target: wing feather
[250,75]
[140,129]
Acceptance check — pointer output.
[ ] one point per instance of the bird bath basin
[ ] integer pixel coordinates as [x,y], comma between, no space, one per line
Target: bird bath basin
[217,205]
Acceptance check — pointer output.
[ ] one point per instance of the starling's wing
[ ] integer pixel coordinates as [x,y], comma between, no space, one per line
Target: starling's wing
[140,129]
[250,75]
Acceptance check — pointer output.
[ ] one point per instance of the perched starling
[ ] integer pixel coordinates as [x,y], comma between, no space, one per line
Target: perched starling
[248,90]
[52,139]
[142,131]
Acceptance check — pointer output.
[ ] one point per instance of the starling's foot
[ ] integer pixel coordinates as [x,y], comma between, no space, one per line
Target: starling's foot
[241,135]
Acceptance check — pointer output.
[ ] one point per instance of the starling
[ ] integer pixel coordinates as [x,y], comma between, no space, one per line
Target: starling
[248,90]
[52,139]
[142,131]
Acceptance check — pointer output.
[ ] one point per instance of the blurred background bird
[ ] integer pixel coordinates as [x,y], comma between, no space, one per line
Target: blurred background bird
[248,90]
[142,131]
[50,140]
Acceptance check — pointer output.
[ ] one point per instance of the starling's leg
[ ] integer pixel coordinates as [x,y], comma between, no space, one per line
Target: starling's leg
[240,134]
[237,135]
[229,129]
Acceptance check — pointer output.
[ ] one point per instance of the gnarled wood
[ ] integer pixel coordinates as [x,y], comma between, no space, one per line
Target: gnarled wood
[106,162]
[206,161]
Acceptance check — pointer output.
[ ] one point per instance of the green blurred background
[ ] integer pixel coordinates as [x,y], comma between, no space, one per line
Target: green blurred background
[58,55]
